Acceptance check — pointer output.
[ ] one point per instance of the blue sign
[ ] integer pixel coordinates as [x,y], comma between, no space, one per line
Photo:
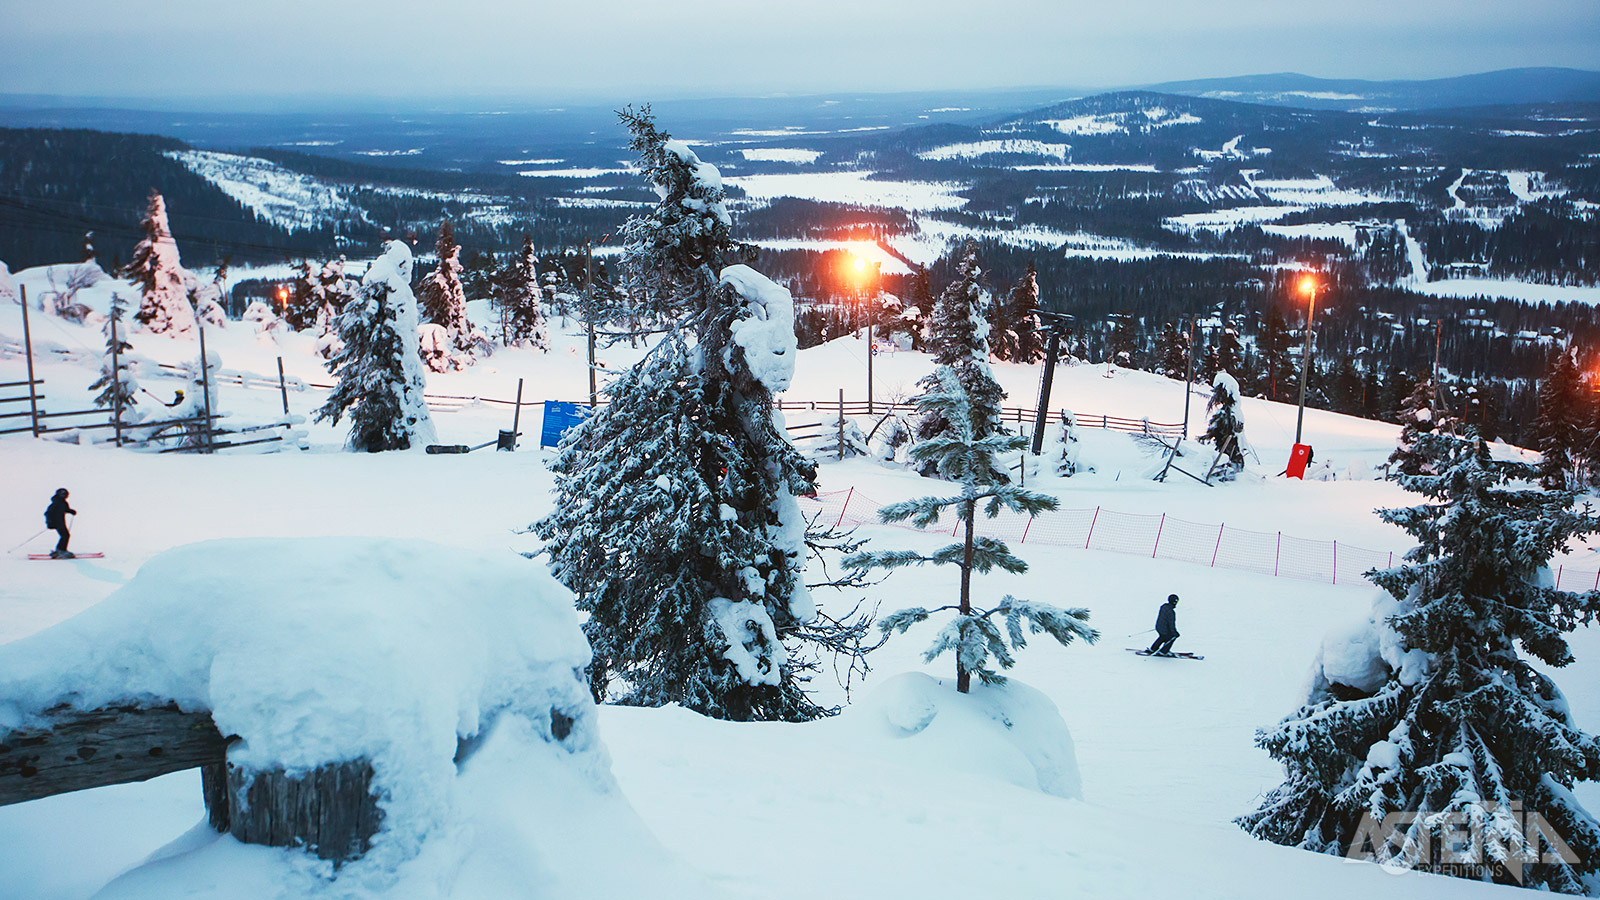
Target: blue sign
[558,417]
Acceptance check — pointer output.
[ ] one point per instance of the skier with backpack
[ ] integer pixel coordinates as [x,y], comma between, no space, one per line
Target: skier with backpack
[55,519]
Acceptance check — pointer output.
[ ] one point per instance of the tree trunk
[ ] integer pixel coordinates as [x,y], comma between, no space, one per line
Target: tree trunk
[963,677]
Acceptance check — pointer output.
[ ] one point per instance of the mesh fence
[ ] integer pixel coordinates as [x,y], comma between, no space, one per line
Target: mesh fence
[1160,537]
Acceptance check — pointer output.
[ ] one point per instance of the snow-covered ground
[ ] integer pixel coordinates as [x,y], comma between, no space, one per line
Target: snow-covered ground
[1531,292]
[282,197]
[975,149]
[853,187]
[856,806]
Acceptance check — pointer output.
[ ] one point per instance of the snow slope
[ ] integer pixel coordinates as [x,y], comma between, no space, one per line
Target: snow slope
[1162,747]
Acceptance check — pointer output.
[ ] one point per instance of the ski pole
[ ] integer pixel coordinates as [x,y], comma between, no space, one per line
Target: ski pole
[28,541]
[1137,633]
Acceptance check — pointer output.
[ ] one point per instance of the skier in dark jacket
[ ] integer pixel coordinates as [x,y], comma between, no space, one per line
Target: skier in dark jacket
[55,517]
[1166,627]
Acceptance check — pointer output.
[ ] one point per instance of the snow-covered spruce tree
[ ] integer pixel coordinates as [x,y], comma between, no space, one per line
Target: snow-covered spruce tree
[443,300]
[1441,734]
[958,337]
[972,633]
[158,274]
[1559,425]
[380,376]
[116,384]
[300,309]
[1172,352]
[1416,419]
[1067,462]
[1230,351]
[518,294]
[1122,341]
[841,439]
[1225,428]
[676,517]
[206,297]
[1014,323]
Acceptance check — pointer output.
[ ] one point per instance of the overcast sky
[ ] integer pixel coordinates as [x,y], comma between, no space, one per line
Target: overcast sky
[605,49]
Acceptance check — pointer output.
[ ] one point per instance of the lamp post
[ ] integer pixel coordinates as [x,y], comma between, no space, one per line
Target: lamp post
[1308,288]
[866,273]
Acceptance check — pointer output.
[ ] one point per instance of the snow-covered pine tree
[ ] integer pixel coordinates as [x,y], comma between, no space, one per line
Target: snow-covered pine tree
[1416,419]
[156,271]
[958,337]
[919,304]
[1122,341]
[969,460]
[116,384]
[380,375]
[1559,425]
[1067,463]
[1441,734]
[519,294]
[1225,428]
[1280,374]
[300,309]
[1172,352]
[443,300]
[1230,352]
[841,439]
[206,297]
[1014,325]
[689,469]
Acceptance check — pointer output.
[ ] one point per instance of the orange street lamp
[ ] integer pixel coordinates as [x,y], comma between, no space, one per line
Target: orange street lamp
[1308,287]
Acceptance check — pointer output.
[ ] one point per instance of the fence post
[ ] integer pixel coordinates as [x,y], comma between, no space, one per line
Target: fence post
[1091,528]
[27,342]
[1277,555]
[1025,528]
[1391,559]
[1217,549]
[283,387]
[1159,529]
[1596,581]
[845,506]
[841,422]
[1335,562]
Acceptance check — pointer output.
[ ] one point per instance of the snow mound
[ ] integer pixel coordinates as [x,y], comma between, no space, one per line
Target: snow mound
[1366,653]
[317,651]
[1010,731]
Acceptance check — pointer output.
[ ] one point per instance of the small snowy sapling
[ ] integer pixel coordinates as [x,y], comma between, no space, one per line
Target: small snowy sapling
[973,634]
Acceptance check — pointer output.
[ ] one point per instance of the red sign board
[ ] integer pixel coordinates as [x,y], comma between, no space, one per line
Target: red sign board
[1299,458]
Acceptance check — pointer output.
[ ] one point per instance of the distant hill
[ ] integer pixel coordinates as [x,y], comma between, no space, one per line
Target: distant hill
[56,185]
[1506,86]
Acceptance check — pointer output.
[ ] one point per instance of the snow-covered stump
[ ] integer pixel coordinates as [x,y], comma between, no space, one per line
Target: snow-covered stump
[332,691]
[331,810]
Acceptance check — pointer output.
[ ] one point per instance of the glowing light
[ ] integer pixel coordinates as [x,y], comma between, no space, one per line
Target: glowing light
[1308,285]
[861,264]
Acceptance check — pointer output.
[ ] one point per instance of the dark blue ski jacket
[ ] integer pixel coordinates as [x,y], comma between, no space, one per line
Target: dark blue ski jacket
[56,515]
[1167,621]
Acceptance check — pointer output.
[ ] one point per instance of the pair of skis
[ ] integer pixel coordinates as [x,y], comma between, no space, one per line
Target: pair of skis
[1138,652]
[73,556]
